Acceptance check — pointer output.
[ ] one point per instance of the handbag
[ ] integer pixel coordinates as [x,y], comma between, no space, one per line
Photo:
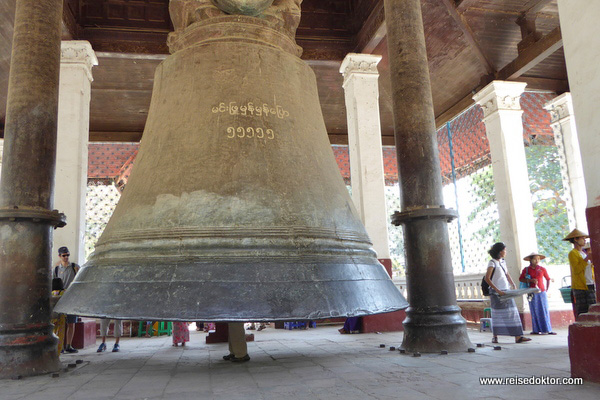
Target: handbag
[525,285]
[485,287]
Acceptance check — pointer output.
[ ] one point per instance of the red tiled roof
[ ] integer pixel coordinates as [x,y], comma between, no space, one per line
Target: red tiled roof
[536,120]
[105,160]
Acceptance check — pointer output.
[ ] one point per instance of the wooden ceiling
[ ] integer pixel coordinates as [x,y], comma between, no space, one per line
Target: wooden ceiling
[469,43]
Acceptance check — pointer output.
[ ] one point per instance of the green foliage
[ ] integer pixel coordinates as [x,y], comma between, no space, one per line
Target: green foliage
[398,269]
[483,193]
[549,208]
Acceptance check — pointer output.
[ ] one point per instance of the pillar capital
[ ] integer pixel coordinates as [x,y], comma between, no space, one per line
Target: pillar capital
[78,52]
[363,64]
[500,96]
[560,108]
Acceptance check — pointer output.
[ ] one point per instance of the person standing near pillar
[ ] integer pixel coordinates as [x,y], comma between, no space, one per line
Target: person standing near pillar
[181,333]
[238,348]
[66,271]
[590,279]
[533,276]
[505,315]
[118,332]
[582,294]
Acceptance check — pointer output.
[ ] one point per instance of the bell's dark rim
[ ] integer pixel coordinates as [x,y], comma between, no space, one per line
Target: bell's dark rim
[256,291]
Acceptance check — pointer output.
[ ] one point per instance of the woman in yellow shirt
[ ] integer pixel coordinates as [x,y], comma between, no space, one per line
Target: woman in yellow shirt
[582,294]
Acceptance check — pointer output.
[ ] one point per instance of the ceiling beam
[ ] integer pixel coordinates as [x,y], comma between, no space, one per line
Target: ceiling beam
[324,49]
[468,35]
[342,139]
[121,40]
[130,56]
[557,86]
[373,30]
[69,24]
[538,6]
[112,136]
[462,5]
[532,56]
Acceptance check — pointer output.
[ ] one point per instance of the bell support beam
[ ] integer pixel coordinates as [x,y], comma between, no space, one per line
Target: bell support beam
[27,344]
[433,321]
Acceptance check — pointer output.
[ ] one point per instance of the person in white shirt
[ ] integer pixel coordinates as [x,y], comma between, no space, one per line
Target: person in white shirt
[505,315]
[66,271]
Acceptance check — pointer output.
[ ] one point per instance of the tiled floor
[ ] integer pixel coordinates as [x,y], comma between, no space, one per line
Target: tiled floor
[307,364]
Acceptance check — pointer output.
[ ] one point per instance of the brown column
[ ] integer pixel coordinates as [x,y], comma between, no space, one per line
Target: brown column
[433,322]
[27,345]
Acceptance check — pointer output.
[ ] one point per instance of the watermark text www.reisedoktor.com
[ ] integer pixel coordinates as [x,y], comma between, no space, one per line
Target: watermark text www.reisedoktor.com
[530,380]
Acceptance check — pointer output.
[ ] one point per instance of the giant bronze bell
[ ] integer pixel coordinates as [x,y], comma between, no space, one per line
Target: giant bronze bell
[235,209]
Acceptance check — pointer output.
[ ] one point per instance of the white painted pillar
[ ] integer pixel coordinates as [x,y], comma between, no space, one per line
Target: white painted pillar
[581,40]
[579,32]
[77,59]
[502,112]
[567,141]
[364,141]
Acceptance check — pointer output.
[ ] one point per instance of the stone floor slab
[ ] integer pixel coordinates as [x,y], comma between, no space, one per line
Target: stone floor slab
[307,364]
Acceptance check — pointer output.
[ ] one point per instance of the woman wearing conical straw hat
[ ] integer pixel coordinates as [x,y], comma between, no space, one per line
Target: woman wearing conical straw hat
[533,275]
[582,294]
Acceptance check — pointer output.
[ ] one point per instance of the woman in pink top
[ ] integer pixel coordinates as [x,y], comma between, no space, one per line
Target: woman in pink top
[534,275]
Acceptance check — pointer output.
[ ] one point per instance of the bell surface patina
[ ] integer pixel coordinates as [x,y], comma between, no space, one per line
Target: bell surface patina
[235,209]
[245,7]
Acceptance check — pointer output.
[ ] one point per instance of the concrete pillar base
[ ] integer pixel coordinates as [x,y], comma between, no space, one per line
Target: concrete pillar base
[27,352]
[435,329]
[584,346]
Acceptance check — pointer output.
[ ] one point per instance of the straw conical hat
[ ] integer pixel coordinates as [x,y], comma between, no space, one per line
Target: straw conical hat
[575,233]
[529,257]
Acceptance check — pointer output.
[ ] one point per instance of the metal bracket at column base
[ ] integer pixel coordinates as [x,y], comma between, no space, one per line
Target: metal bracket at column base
[54,218]
[424,212]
